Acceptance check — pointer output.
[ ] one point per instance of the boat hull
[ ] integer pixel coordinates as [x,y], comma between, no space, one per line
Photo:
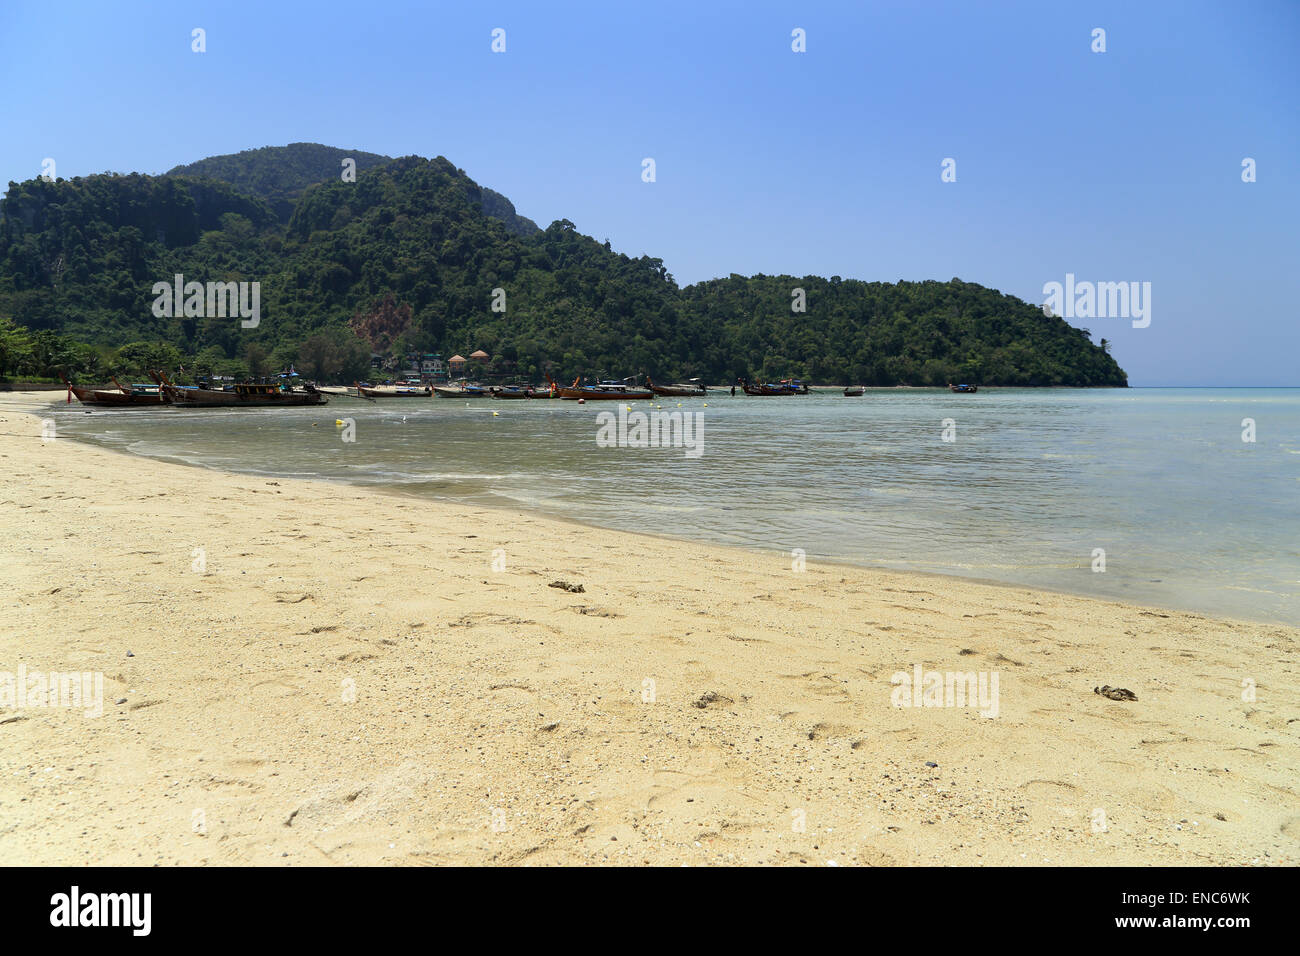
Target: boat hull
[102,398]
[605,395]
[679,391]
[773,391]
[392,392]
[210,398]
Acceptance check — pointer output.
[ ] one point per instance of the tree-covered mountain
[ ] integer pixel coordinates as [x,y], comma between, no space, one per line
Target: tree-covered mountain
[281,174]
[408,257]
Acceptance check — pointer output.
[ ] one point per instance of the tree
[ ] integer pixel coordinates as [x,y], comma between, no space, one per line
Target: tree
[258,362]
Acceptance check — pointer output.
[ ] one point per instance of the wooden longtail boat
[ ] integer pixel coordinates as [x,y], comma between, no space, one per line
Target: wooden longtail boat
[461,391]
[512,391]
[119,398]
[692,389]
[853,391]
[601,392]
[392,391]
[241,396]
[963,388]
[779,388]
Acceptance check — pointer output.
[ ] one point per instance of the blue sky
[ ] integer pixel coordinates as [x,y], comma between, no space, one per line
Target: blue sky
[1115,166]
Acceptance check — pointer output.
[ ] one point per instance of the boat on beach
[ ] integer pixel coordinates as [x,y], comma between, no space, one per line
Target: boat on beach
[602,392]
[692,389]
[239,396]
[138,396]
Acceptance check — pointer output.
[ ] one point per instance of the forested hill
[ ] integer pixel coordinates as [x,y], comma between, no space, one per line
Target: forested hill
[280,175]
[409,257]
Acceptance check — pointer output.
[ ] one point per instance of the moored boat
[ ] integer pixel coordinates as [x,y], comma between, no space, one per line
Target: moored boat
[392,391]
[512,391]
[138,396]
[602,392]
[240,396]
[853,391]
[963,388]
[461,391]
[783,387]
[692,389]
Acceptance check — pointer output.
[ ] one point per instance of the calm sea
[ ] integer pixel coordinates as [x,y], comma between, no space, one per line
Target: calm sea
[1033,483]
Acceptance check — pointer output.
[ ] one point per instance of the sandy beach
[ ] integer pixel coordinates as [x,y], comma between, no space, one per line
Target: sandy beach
[300,673]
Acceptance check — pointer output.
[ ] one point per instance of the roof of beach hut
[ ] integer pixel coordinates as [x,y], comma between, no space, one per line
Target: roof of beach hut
[480,354]
[456,358]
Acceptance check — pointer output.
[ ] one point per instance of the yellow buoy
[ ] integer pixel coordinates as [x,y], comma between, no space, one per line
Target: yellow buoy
[338,421]
[495,414]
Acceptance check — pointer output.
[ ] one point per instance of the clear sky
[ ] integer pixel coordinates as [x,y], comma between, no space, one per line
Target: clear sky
[1115,166]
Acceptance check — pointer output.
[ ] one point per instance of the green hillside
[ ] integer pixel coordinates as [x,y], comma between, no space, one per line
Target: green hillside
[410,256]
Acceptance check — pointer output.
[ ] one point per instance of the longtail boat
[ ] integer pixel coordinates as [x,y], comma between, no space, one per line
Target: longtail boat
[120,397]
[601,392]
[693,388]
[392,391]
[511,391]
[786,387]
[963,388]
[461,391]
[853,391]
[241,396]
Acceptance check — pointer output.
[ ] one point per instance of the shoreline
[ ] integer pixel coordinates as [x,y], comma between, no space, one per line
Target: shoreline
[508,506]
[498,719]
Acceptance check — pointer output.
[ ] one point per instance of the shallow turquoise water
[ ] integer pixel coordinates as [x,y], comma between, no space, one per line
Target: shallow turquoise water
[1189,515]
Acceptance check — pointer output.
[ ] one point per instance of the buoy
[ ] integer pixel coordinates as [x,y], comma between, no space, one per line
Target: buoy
[706,404]
[495,414]
[582,401]
[338,421]
[679,404]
